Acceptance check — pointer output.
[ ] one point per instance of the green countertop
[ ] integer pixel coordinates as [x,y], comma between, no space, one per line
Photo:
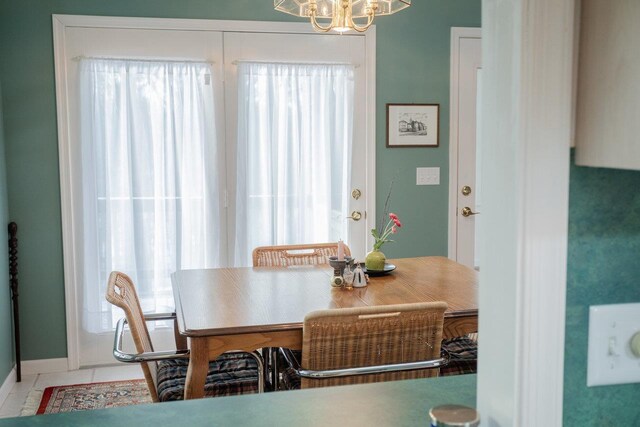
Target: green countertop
[401,403]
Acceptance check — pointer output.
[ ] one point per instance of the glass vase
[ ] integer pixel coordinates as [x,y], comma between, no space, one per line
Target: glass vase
[375,260]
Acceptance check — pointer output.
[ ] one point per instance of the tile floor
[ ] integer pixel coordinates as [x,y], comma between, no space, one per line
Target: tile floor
[12,406]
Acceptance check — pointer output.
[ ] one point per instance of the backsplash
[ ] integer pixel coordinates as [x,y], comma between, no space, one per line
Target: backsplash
[603,268]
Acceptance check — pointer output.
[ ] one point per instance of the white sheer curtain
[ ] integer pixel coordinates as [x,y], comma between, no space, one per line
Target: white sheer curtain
[293,154]
[150,188]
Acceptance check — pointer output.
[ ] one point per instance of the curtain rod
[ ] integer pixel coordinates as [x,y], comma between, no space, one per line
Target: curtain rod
[236,62]
[80,57]
[240,61]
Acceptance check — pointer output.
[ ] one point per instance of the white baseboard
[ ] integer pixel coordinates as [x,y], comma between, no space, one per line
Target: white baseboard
[44,366]
[7,385]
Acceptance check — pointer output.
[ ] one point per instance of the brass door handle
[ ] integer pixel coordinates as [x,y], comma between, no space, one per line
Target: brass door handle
[355,215]
[467,212]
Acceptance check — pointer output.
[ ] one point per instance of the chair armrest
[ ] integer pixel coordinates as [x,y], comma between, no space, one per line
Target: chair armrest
[148,356]
[159,316]
[363,370]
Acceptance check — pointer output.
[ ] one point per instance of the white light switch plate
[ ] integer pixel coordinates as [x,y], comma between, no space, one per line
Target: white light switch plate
[428,176]
[610,360]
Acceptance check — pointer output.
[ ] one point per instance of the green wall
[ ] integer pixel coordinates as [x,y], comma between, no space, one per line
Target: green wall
[6,335]
[413,67]
[603,268]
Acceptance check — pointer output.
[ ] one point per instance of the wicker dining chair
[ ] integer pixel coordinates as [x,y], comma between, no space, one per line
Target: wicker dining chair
[289,256]
[368,344]
[292,255]
[165,371]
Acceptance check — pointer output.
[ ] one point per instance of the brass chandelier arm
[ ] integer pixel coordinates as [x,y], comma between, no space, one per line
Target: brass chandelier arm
[361,29]
[371,12]
[365,27]
[316,25]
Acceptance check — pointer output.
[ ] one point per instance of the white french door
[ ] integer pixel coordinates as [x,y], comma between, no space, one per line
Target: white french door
[137,54]
[311,52]
[142,148]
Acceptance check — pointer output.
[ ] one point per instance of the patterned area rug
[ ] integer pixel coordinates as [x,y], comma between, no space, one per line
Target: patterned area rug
[83,397]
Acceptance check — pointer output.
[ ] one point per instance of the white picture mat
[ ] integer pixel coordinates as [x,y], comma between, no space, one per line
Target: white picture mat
[413,125]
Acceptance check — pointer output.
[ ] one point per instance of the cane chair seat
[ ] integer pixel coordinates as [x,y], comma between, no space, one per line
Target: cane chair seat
[165,372]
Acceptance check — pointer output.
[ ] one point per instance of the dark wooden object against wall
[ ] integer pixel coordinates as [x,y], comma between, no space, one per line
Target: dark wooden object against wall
[13,283]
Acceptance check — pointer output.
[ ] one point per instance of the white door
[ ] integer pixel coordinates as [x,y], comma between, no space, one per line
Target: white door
[213,122]
[464,204]
[308,50]
[92,316]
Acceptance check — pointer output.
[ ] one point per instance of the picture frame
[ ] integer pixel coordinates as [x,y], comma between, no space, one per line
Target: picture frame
[413,125]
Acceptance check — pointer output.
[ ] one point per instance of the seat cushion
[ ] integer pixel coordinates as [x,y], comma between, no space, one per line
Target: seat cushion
[289,379]
[230,374]
[464,356]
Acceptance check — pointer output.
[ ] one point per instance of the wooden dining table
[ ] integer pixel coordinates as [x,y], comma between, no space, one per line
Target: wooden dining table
[225,309]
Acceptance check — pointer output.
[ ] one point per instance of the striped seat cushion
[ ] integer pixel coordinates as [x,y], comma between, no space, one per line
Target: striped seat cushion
[289,379]
[464,356]
[230,374]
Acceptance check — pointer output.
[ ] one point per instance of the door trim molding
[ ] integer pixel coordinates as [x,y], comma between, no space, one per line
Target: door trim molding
[527,61]
[69,233]
[66,194]
[457,33]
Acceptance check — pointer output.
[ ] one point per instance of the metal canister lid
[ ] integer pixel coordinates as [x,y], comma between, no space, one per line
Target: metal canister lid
[454,416]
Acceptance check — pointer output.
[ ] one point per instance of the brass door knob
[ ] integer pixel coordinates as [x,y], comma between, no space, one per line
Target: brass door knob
[466,190]
[356,194]
[467,212]
[355,215]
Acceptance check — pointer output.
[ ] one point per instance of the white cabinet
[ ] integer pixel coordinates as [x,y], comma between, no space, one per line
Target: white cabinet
[608,92]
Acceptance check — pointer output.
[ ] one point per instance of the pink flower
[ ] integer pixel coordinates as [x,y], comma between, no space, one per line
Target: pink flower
[397,222]
[393,216]
[394,230]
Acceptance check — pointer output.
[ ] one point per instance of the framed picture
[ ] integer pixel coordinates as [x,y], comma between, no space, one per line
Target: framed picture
[413,125]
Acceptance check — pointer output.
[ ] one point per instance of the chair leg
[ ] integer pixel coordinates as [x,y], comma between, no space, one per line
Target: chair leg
[275,374]
[266,354]
[261,368]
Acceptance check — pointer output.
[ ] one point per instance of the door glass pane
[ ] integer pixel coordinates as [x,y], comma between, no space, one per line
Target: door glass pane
[151,198]
[294,148]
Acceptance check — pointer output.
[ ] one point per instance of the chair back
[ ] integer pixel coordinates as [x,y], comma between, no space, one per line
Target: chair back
[122,293]
[372,336]
[292,255]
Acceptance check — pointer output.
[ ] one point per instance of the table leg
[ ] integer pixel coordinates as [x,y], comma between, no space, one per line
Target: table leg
[198,368]
[181,340]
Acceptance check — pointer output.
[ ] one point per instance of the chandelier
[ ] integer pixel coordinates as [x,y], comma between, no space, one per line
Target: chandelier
[340,15]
